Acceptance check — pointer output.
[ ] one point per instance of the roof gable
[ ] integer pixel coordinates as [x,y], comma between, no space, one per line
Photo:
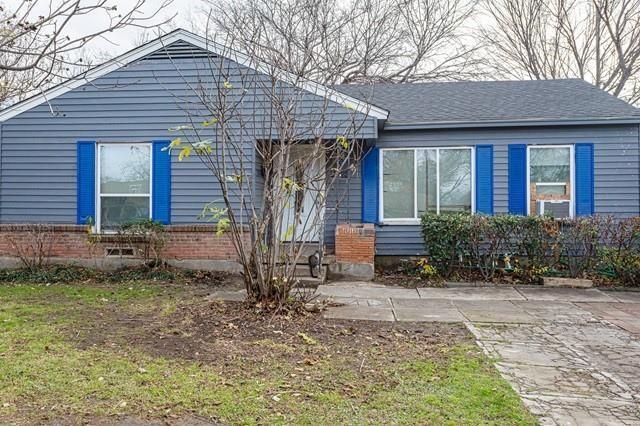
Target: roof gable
[181,44]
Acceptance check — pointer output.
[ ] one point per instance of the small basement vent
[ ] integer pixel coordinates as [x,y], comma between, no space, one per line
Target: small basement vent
[119,252]
[178,50]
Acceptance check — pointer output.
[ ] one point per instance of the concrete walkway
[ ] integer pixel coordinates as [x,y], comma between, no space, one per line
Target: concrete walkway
[572,355]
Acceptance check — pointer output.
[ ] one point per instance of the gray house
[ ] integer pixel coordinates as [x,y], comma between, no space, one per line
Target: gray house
[560,147]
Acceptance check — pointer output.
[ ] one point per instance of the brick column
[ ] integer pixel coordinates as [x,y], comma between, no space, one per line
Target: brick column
[355,251]
[355,243]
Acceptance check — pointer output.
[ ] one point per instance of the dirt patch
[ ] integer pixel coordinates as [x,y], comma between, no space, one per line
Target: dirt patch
[222,333]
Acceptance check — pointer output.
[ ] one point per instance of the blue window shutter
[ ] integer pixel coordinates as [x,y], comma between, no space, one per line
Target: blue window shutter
[370,184]
[518,179]
[161,186]
[86,182]
[484,179]
[584,179]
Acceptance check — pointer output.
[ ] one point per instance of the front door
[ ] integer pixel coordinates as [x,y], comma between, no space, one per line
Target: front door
[303,212]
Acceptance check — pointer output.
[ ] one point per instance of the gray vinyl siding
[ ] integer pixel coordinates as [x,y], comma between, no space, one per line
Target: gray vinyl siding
[344,205]
[617,168]
[136,103]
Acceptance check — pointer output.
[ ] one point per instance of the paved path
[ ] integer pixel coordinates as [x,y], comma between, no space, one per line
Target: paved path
[573,355]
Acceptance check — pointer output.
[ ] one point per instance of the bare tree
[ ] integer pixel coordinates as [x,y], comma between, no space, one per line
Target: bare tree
[278,153]
[333,41]
[596,40]
[38,43]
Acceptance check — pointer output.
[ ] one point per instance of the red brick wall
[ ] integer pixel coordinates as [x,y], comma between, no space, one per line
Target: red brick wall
[193,242]
[355,243]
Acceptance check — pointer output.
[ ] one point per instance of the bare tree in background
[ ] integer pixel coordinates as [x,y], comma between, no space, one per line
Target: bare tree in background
[38,45]
[596,40]
[331,41]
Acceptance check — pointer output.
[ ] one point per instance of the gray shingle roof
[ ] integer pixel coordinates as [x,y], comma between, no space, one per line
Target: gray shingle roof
[493,101]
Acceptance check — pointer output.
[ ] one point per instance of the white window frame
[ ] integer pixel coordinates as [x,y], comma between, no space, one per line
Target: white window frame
[99,195]
[416,219]
[572,176]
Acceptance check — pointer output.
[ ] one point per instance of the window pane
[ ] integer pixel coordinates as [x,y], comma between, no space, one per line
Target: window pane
[397,169]
[116,211]
[455,180]
[124,169]
[550,164]
[550,185]
[427,181]
[551,189]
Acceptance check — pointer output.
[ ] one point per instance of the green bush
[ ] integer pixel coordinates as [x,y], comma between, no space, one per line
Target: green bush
[619,255]
[449,245]
[529,247]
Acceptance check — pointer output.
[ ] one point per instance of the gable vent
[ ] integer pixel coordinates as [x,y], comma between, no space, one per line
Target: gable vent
[178,50]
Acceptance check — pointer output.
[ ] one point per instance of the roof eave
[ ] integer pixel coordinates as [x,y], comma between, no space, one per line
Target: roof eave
[390,125]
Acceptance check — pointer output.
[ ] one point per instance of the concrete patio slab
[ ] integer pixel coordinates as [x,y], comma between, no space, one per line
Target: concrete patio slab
[471,293]
[426,310]
[632,309]
[625,296]
[553,311]
[502,311]
[572,411]
[367,292]
[366,313]
[512,333]
[630,326]
[606,310]
[549,355]
[592,335]
[566,294]
[561,381]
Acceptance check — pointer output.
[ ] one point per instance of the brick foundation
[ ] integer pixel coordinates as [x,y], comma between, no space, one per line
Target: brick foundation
[355,243]
[182,242]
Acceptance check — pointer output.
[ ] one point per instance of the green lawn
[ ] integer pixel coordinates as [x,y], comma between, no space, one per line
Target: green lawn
[148,351]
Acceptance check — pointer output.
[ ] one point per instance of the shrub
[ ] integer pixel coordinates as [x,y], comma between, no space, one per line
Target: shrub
[147,237]
[446,237]
[578,241]
[620,252]
[33,246]
[533,245]
[489,242]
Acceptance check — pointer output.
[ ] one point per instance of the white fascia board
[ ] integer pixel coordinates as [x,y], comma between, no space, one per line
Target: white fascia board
[203,43]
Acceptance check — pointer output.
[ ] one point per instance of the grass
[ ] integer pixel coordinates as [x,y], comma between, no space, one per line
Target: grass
[49,372]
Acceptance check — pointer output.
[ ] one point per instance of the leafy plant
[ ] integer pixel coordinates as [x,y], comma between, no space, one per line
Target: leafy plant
[578,243]
[489,240]
[426,270]
[530,247]
[620,252]
[446,238]
[147,237]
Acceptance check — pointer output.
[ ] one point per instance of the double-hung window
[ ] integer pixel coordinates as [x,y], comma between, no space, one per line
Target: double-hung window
[550,186]
[123,184]
[420,180]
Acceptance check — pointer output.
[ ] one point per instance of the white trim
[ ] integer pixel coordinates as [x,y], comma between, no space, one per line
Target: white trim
[572,176]
[100,195]
[203,43]
[416,220]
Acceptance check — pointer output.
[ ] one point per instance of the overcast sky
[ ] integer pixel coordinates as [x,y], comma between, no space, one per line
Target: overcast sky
[125,39]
